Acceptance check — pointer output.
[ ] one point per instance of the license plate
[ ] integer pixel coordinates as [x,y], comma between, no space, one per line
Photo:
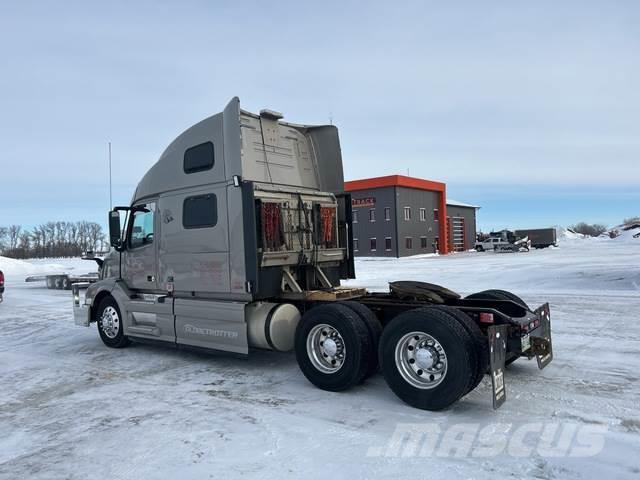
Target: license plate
[498,378]
[525,343]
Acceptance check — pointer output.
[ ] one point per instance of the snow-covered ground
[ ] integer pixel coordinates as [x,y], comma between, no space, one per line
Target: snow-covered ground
[18,270]
[72,408]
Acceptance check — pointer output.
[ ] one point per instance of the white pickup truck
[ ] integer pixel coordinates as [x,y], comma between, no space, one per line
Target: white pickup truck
[498,244]
[491,243]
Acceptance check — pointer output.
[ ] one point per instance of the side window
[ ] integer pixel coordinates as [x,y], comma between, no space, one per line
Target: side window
[199,158]
[141,232]
[200,211]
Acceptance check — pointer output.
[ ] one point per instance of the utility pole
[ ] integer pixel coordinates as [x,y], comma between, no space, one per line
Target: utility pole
[110,189]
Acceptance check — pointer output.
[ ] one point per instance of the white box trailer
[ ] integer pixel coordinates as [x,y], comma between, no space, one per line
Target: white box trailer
[238,238]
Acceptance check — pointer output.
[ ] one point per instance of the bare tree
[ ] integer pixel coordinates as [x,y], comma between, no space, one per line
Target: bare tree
[4,238]
[590,230]
[24,244]
[95,235]
[51,239]
[14,236]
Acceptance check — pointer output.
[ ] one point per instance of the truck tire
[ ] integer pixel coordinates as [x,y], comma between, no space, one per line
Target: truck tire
[109,321]
[479,248]
[480,342]
[66,283]
[374,327]
[332,347]
[501,295]
[58,282]
[427,358]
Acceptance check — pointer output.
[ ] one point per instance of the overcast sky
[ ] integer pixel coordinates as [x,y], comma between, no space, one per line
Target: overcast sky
[529,109]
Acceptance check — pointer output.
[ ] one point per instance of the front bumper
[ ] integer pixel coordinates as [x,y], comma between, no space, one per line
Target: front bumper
[81,312]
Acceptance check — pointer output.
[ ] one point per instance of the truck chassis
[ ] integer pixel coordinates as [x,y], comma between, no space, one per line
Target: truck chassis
[483,334]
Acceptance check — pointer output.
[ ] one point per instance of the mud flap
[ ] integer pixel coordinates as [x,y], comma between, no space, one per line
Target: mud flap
[497,353]
[541,343]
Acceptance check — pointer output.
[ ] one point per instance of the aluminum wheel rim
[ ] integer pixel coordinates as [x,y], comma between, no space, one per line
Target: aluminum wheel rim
[421,360]
[110,322]
[325,348]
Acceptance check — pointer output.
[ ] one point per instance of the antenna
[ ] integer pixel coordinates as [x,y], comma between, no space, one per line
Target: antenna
[110,189]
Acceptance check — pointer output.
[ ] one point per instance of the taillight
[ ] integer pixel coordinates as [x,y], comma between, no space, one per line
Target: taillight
[527,327]
[486,317]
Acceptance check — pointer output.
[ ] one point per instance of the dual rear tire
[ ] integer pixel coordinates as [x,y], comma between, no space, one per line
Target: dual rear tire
[430,357]
[501,295]
[333,347]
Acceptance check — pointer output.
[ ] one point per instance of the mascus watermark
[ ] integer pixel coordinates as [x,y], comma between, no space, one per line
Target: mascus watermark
[490,440]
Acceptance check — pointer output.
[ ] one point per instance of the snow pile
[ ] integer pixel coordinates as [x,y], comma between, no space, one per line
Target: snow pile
[563,234]
[627,233]
[16,270]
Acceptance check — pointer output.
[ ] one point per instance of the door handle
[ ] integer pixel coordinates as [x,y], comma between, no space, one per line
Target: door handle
[151,278]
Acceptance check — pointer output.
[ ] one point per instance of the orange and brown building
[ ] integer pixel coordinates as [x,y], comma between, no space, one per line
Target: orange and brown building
[397,216]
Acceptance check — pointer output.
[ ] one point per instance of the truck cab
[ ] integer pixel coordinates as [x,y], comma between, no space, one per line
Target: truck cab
[240,210]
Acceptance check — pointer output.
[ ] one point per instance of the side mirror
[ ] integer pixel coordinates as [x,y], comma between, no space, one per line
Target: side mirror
[115,234]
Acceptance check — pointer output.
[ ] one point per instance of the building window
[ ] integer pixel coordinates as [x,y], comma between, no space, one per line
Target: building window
[408,243]
[387,213]
[372,244]
[436,214]
[387,244]
[356,245]
[423,242]
[407,213]
[198,158]
[354,216]
[200,211]
[372,215]
[423,214]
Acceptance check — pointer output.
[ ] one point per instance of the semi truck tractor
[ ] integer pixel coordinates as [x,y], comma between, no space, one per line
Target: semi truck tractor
[238,239]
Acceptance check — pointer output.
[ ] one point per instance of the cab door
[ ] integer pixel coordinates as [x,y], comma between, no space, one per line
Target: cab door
[140,257]
[149,311]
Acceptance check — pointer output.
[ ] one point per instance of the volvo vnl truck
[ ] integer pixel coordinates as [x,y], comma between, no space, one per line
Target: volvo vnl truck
[238,238]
